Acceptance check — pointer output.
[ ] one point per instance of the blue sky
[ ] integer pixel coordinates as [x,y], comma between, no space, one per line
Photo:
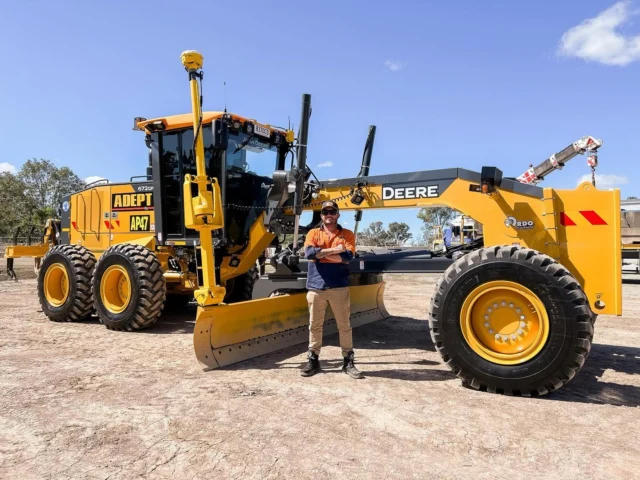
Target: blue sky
[461,84]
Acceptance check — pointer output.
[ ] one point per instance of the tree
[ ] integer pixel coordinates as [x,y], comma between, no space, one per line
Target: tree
[45,185]
[434,219]
[66,183]
[399,233]
[426,236]
[15,206]
[374,235]
[632,198]
[33,195]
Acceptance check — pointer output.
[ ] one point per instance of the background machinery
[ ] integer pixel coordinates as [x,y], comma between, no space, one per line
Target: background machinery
[513,315]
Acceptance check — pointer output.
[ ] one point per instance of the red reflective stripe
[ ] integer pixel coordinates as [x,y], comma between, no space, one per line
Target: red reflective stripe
[565,220]
[107,224]
[73,224]
[592,217]
[118,222]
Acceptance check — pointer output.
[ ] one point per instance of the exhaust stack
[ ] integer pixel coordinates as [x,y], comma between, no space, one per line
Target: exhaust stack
[364,169]
[301,167]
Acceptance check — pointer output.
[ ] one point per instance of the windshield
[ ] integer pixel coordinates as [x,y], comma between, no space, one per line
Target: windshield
[256,157]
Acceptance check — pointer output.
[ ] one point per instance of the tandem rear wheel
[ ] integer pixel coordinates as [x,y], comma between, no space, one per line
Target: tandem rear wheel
[129,288]
[64,283]
[511,320]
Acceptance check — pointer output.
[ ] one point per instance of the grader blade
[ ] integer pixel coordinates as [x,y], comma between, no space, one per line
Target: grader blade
[227,334]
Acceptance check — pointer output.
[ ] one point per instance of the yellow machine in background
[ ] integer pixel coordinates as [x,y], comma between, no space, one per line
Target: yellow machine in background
[513,314]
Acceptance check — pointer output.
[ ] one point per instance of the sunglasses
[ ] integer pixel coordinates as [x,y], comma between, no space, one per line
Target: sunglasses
[329,212]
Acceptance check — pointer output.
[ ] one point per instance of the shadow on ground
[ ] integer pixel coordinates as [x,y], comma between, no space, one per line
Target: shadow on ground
[395,333]
[400,333]
[588,388]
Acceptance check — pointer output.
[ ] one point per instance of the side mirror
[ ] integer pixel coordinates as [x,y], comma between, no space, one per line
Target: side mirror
[220,134]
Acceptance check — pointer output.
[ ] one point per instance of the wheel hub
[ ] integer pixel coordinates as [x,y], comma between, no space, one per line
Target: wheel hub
[504,322]
[507,321]
[56,285]
[115,289]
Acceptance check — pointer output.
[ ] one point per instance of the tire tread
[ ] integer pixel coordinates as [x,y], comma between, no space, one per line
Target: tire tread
[560,276]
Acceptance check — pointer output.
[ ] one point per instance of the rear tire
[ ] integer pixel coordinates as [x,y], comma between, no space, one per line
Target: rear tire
[563,312]
[129,288]
[64,283]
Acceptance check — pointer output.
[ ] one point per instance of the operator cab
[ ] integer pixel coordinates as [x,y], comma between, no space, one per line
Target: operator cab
[243,169]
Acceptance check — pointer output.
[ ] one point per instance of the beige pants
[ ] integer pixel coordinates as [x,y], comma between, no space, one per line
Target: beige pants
[340,303]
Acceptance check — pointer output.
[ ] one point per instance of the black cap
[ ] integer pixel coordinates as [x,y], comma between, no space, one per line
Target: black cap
[329,203]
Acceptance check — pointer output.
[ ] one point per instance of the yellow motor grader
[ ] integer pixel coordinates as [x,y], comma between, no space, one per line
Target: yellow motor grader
[513,312]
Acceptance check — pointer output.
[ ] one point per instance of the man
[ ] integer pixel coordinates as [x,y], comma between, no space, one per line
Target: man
[329,250]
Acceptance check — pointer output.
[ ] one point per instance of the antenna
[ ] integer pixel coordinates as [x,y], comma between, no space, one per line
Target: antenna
[225,96]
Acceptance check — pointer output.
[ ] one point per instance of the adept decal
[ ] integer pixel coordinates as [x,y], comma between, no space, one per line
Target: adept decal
[403,193]
[139,223]
[518,224]
[131,201]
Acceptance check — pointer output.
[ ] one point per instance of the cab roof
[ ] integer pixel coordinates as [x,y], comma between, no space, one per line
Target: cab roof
[176,122]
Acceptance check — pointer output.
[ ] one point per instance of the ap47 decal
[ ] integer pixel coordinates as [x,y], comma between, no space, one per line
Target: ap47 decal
[406,193]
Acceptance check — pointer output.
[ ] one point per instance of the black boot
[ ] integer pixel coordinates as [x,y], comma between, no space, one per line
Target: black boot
[313,365]
[349,367]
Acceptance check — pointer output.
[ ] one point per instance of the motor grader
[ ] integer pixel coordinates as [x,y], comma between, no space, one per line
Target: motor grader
[513,313]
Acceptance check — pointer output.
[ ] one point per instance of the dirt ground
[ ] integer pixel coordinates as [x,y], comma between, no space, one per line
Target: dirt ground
[79,401]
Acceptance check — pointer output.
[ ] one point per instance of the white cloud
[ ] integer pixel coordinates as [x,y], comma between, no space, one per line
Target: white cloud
[597,39]
[325,164]
[604,182]
[395,65]
[93,178]
[7,167]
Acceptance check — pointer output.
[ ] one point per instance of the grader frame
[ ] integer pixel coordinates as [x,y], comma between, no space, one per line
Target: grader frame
[514,315]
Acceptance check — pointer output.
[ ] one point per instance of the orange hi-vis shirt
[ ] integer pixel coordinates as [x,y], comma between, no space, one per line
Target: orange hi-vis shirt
[322,238]
[323,273]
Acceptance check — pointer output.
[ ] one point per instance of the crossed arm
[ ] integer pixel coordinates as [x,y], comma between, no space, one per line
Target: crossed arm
[337,254]
[332,254]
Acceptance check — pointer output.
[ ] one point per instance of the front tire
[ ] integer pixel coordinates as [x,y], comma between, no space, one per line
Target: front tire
[511,320]
[129,288]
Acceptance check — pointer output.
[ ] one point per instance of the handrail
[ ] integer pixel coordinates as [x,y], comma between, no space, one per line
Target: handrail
[146,177]
[106,180]
[84,216]
[91,213]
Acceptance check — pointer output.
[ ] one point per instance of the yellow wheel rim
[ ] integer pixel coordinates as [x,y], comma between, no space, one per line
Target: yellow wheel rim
[56,285]
[115,289]
[504,322]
